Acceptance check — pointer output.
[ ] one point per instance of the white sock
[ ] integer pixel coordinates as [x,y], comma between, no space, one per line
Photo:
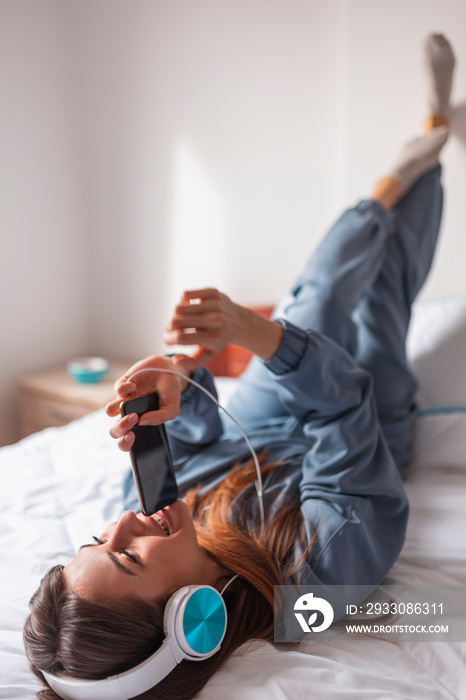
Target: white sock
[419,156]
[439,63]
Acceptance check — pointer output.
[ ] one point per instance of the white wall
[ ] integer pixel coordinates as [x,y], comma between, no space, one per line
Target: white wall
[42,276]
[216,131]
[386,106]
[212,134]
[153,145]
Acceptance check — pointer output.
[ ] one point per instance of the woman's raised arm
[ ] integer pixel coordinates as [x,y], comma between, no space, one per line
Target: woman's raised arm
[209,320]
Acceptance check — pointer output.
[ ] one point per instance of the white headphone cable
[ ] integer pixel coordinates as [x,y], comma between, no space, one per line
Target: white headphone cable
[228,583]
[258,482]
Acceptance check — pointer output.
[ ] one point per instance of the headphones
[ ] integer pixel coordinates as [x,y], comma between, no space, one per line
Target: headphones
[194,622]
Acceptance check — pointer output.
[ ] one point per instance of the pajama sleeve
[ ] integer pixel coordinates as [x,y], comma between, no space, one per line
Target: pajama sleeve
[198,423]
[352,498]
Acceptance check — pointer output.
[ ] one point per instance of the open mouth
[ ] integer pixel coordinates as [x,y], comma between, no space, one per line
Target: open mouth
[160,520]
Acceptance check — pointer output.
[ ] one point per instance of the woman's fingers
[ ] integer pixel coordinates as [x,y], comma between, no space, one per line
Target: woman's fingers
[126,443]
[199,319]
[123,426]
[205,315]
[125,391]
[155,374]
[190,308]
[124,387]
[165,413]
[112,409]
[190,363]
[205,319]
[192,337]
[122,429]
[198,303]
[186,362]
[191,295]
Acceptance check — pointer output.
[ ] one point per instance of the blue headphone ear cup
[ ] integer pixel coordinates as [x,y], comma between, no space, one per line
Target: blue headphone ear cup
[196,620]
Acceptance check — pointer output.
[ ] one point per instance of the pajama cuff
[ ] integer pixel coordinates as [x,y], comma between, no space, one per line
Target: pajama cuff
[201,376]
[291,350]
[386,216]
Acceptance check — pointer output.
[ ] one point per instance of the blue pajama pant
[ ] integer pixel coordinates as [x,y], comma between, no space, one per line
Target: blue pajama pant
[358,289]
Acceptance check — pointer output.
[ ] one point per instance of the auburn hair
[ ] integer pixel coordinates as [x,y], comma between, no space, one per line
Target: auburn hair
[70,635]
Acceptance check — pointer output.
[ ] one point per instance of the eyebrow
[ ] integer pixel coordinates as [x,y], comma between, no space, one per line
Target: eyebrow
[113,559]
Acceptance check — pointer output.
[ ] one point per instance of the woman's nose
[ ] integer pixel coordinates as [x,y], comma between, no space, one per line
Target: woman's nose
[128,523]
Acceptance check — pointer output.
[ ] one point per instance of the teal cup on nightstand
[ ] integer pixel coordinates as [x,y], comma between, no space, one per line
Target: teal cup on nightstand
[88,370]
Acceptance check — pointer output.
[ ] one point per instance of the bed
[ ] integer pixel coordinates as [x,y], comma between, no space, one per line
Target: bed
[62,485]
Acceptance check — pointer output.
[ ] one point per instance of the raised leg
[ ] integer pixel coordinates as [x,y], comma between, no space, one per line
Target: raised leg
[335,279]
[383,316]
[359,285]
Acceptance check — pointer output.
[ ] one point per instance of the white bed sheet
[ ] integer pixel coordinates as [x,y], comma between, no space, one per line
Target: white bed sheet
[61,486]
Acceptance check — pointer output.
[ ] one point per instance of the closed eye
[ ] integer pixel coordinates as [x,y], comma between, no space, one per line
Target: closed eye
[133,557]
[130,556]
[113,558]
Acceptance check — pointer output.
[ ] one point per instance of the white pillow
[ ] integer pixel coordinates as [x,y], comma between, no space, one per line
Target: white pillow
[225,388]
[436,348]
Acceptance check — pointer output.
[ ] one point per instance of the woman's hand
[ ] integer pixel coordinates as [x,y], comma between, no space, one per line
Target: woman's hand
[209,320]
[205,318]
[168,387]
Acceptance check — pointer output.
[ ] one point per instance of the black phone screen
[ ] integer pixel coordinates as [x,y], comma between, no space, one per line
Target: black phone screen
[151,458]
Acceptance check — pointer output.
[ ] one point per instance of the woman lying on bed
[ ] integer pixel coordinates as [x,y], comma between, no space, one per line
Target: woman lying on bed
[329,401]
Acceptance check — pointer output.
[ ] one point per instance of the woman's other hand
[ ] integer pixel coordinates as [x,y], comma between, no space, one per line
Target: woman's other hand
[168,387]
[206,319]
[210,320]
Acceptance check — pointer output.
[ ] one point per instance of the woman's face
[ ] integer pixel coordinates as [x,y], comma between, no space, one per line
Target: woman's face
[136,556]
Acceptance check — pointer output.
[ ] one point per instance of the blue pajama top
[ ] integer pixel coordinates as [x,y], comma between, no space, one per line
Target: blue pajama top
[335,459]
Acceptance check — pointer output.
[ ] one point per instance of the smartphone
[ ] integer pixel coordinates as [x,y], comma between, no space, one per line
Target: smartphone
[151,458]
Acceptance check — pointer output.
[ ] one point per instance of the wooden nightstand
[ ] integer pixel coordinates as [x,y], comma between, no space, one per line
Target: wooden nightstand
[52,398]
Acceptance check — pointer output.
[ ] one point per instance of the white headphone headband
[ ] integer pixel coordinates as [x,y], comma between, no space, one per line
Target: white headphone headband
[121,686]
[195,622]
